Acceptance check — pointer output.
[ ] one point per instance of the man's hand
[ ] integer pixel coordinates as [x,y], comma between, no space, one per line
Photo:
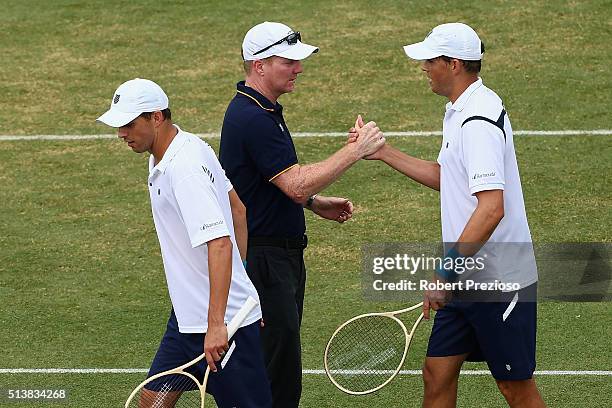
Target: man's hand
[435,299]
[333,208]
[215,345]
[353,137]
[369,138]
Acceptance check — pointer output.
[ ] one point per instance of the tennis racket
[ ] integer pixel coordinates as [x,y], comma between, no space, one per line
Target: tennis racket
[366,352]
[179,387]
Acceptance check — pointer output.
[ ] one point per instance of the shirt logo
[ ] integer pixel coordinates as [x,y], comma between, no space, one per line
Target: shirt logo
[209,173]
[214,224]
[483,175]
[116,99]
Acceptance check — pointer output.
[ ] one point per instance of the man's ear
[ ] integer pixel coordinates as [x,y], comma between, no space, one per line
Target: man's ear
[158,118]
[258,67]
[456,65]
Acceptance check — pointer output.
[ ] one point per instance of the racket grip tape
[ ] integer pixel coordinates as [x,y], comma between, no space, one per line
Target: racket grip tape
[242,314]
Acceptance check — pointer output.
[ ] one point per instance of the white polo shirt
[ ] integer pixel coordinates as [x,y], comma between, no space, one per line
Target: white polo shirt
[477,157]
[190,204]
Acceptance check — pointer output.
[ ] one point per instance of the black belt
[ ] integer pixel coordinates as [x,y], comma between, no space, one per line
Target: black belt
[288,243]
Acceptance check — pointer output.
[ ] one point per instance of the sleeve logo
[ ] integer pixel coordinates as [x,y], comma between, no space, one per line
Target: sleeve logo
[209,174]
[483,175]
[214,224]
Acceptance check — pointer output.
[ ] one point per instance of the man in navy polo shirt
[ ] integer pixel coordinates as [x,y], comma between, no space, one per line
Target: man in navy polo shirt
[259,158]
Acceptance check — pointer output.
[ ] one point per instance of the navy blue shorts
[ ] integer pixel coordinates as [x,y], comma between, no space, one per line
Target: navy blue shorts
[501,333]
[240,380]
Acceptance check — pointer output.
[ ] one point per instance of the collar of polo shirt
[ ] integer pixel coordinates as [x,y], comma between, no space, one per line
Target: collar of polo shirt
[259,99]
[175,145]
[464,97]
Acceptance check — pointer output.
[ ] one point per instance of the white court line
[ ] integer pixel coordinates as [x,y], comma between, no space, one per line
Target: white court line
[307,372]
[73,370]
[487,372]
[594,132]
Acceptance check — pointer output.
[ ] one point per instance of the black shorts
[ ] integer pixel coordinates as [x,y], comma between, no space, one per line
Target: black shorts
[240,380]
[501,333]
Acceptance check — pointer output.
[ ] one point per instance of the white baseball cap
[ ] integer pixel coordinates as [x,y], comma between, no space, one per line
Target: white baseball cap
[133,98]
[454,40]
[268,39]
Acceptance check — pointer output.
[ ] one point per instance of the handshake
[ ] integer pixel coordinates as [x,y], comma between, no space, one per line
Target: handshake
[367,138]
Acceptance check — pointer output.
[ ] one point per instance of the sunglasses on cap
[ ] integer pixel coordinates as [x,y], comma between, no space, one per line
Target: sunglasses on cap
[291,39]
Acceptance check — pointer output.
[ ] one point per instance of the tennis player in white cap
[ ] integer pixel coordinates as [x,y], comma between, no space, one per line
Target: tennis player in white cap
[481,205]
[201,227]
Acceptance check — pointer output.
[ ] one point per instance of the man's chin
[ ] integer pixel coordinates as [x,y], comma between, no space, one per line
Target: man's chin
[136,149]
[435,90]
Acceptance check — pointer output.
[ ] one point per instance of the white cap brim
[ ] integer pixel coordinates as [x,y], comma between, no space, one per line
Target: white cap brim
[298,51]
[115,118]
[420,51]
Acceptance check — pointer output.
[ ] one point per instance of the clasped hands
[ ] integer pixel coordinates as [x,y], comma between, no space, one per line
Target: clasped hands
[367,137]
[367,140]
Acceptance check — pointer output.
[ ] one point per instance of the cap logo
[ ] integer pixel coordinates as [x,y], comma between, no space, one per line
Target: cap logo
[429,34]
[116,99]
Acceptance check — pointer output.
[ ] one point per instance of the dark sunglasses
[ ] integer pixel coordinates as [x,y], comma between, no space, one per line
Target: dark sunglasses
[291,39]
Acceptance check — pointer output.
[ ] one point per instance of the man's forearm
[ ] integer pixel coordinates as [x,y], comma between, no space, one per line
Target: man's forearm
[242,236]
[481,225]
[220,275]
[300,182]
[422,171]
[240,223]
[313,178]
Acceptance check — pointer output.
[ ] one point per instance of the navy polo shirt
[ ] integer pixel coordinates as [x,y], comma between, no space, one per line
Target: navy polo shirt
[256,147]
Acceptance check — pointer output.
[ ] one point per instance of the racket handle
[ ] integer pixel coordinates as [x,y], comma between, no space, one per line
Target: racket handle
[232,328]
[242,314]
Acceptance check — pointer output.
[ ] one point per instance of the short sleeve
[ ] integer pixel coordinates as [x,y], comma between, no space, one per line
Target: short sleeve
[483,156]
[200,209]
[228,184]
[270,147]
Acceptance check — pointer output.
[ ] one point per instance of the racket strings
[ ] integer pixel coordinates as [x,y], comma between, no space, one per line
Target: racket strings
[366,352]
[169,391]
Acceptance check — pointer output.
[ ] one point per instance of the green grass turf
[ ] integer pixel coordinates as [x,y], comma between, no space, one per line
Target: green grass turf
[62,60]
[89,390]
[81,280]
